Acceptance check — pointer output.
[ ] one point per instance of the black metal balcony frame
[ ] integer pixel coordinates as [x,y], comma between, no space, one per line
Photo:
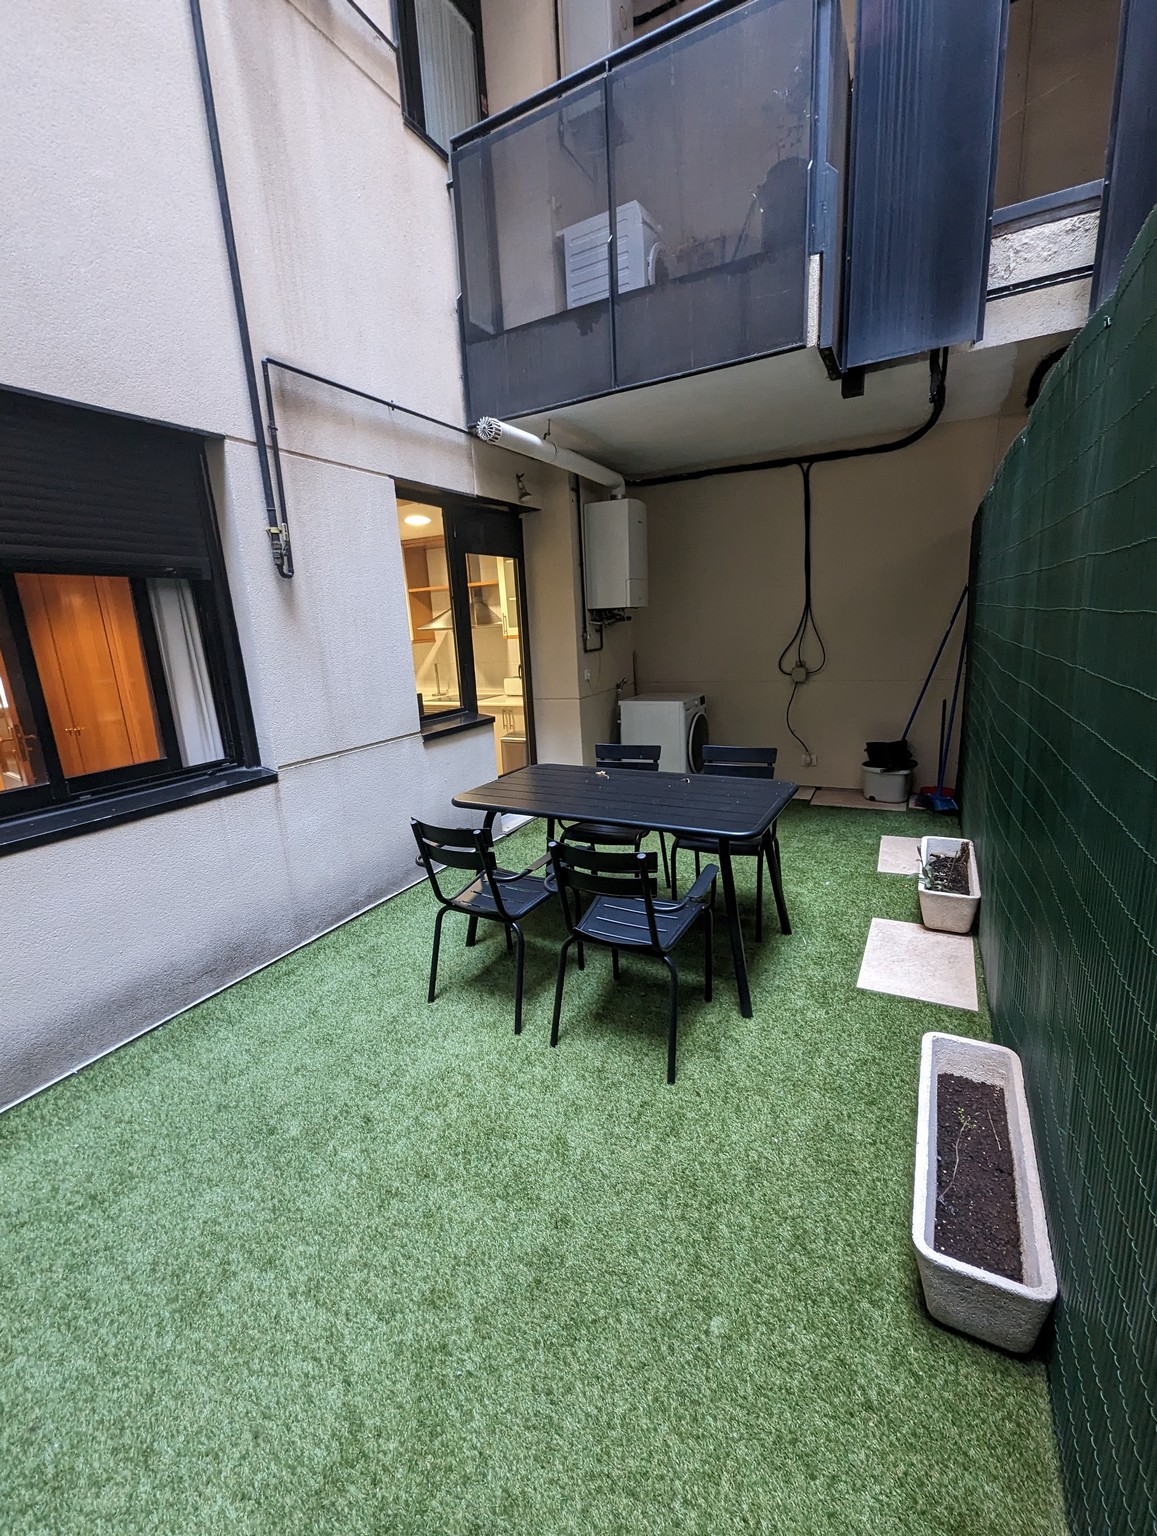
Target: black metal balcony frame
[827,115]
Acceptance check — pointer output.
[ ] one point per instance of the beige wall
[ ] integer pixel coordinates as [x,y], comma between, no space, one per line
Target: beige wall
[518,39]
[890,556]
[1058,90]
[114,291]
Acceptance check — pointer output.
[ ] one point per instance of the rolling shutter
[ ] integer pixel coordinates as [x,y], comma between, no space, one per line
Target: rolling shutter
[86,492]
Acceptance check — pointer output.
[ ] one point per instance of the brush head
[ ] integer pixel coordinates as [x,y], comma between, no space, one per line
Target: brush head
[929,800]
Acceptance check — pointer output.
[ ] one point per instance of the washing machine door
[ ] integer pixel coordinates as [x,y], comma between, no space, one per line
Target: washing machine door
[697,738]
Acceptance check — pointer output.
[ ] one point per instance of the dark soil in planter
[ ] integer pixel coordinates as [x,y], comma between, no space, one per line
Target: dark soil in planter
[976,1218]
[948,872]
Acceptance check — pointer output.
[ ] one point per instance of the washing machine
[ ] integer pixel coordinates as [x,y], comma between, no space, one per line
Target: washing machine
[677,722]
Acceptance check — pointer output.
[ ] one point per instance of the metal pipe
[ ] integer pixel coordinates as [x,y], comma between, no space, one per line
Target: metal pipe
[503,435]
[346,389]
[276,526]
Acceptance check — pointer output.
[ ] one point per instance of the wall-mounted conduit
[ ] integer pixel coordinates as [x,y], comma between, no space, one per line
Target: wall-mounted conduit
[792,662]
[276,527]
[268,363]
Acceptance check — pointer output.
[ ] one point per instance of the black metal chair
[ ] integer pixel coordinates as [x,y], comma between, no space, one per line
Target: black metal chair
[604,833]
[497,895]
[746,763]
[624,914]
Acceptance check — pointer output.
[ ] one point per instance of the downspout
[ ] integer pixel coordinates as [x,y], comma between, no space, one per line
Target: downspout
[276,527]
[503,435]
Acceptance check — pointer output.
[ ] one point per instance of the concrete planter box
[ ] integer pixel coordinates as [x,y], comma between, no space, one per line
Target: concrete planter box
[1003,1312]
[943,910]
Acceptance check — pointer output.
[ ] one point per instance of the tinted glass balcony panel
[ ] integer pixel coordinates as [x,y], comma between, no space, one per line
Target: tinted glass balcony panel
[533,236]
[712,202]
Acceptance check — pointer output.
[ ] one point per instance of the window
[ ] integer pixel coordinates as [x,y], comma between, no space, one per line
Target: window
[466,601]
[442,72]
[118,663]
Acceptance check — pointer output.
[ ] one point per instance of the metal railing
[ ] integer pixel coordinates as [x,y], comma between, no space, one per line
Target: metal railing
[652,215]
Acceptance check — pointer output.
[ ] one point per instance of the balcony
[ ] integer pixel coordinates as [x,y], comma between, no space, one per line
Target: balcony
[715,211]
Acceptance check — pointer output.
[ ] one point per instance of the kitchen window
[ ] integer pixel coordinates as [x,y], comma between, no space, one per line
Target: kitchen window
[443,82]
[119,671]
[466,607]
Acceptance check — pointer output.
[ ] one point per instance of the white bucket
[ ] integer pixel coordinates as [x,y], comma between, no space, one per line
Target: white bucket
[886,784]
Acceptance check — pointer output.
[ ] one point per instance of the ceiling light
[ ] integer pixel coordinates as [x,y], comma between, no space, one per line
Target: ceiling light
[416,519]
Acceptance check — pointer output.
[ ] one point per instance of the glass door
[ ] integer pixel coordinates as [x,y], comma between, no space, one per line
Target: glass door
[486,567]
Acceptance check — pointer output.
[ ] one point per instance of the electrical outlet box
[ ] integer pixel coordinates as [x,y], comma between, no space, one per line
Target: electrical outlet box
[799,674]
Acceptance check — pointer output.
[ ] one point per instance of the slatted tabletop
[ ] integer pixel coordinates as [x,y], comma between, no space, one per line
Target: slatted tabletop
[728,810]
[706,804]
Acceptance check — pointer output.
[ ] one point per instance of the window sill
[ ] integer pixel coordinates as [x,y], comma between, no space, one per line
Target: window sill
[451,725]
[425,138]
[50,826]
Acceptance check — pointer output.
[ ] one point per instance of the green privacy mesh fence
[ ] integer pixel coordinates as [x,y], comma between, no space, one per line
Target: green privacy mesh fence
[1061,799]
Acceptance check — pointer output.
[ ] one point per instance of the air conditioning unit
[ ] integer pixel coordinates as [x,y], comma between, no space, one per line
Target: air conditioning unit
[615,543]
[638,244]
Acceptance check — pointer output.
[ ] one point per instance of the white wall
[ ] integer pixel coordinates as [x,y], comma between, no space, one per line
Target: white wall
[114,291]
[890,556]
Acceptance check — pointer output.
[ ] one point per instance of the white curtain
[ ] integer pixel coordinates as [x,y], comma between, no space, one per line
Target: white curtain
[183,656]
[449,70]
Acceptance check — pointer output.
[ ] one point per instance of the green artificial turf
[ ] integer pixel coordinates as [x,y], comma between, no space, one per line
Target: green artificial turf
[317,1257]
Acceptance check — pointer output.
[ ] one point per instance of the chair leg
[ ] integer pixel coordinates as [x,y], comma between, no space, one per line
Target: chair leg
[519,965]
[509,941]
[434,957]
[759,897]
[666,866]
[672,1014]
[471,933]
[708,953]
[698,871]
[558,985]
[674,871]
[615,964]
[776,872]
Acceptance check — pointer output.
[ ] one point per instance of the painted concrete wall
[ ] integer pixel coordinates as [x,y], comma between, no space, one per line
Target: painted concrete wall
[519,46]
[115,292]
[890,556]
[1058,91]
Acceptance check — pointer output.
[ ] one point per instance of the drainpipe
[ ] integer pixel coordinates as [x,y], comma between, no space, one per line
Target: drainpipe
[275,525]
[503,435]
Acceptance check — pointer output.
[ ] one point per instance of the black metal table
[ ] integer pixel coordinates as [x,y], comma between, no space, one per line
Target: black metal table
[727,810]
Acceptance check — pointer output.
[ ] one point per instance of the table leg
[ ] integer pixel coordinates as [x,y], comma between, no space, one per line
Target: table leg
[488,821]
[734,929]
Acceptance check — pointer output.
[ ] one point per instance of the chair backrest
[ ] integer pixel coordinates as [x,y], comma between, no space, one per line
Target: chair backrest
[581,871]
[468,848]
[740,762]
[612,754]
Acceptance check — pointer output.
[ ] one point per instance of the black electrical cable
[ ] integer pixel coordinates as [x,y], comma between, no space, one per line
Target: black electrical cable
[937,377]
[806,619]
[937,371]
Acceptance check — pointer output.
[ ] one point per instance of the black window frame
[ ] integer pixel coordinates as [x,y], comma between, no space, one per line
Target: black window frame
[410,66]
[62,806]
[460,516]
